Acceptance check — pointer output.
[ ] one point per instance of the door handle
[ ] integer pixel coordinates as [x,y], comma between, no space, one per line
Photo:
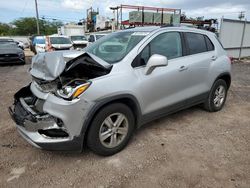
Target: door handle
[183,68]
[214,57]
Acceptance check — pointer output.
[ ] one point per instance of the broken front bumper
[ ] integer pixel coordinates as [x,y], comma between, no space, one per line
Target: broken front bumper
[47,123]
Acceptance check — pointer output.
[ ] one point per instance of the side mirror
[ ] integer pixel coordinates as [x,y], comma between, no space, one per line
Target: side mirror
[154,61]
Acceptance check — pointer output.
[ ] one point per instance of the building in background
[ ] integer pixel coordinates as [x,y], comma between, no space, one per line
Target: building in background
[71,29]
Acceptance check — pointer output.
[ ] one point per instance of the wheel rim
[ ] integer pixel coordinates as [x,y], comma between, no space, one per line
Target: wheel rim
[113,130]
[219,96]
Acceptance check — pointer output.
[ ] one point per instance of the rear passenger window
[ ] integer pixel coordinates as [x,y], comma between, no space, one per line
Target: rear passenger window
[210,46]
[196,43]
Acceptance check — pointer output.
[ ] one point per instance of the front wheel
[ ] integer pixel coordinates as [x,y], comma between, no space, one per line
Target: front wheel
[111,129]
[217,96]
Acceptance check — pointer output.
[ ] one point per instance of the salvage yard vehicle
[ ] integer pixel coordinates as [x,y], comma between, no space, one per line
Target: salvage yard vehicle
[79,41]
[9,40]
[94,37]
[38,44]
[10,53]
[98,97]
[58,42]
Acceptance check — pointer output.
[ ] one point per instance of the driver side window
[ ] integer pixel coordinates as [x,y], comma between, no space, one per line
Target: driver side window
[166,44]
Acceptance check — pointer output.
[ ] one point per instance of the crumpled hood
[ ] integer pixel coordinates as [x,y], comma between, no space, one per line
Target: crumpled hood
[49,66]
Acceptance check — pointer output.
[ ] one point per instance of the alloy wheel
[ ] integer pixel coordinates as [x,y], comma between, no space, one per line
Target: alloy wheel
[219,96]
[113,130]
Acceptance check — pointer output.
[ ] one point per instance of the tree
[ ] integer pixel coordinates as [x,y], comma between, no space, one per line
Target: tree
[5,29]
[27,26]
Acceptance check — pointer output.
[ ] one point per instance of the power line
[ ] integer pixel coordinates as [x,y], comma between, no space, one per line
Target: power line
[58,18]
[24,7]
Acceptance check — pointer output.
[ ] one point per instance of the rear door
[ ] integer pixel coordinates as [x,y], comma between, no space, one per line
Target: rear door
[200,54]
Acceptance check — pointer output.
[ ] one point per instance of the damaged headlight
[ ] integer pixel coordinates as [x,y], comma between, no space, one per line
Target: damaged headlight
[73,89]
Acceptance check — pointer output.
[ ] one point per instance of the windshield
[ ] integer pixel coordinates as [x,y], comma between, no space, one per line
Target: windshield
[39,41]
[7,45]
[59,40]
[6,40]
[99,36]
[78,37]
[114,47]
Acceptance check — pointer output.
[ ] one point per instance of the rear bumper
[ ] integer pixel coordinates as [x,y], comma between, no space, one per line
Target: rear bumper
[44,130]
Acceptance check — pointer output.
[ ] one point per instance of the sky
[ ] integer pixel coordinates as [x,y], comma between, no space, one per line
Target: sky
[74,10]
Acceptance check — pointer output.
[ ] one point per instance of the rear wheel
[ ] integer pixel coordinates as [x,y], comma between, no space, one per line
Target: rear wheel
[111,129]
[217,96]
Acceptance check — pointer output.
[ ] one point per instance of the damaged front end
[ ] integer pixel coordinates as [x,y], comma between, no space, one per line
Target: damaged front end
[69,79]
[45,111]
[28,113]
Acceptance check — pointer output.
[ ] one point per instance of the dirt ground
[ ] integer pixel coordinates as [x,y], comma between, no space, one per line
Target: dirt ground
[191,148]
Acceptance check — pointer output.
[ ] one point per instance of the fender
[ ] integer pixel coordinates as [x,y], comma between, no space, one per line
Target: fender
[104,101]
[225,74]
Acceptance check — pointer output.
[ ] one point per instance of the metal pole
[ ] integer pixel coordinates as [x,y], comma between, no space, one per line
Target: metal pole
[221,25]
[37,19]
[142,16]
[117,15]
[121,17]
[242,38]
[86,22]
[162,17]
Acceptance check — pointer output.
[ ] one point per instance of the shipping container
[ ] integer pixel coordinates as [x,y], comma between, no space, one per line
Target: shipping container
[157,18]
[70,30]
[167,18]
[135,16]
[148,17]
[176,18]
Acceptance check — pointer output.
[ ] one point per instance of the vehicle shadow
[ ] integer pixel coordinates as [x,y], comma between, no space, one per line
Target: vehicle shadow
[156,124]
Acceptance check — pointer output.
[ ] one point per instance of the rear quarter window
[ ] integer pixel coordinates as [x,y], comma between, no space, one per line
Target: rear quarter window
[210,46]
[196,43]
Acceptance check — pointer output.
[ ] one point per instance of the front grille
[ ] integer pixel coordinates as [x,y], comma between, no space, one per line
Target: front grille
[21,114]
[80,45]
[46,86]
[59,49]
[8,55]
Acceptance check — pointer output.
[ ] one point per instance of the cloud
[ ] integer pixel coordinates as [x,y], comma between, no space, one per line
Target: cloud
[218,11]
[76,9]
[77,4]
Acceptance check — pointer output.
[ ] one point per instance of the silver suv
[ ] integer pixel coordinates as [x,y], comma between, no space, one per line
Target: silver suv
[98,97]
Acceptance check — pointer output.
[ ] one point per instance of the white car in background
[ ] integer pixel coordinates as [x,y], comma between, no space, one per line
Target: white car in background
[58,42]
[94,37]
[39,44]
[79,41]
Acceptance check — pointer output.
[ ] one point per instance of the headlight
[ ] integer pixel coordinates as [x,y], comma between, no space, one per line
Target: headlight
[21,55]
[73,90]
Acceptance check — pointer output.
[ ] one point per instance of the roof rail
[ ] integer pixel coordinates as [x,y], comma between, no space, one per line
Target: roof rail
[171,25]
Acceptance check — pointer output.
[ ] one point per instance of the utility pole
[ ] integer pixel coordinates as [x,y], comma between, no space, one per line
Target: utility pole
[37,19]
[116,17]
[241,15]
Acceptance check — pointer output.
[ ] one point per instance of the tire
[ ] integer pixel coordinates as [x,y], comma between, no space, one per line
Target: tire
[212,103]
[104,122]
